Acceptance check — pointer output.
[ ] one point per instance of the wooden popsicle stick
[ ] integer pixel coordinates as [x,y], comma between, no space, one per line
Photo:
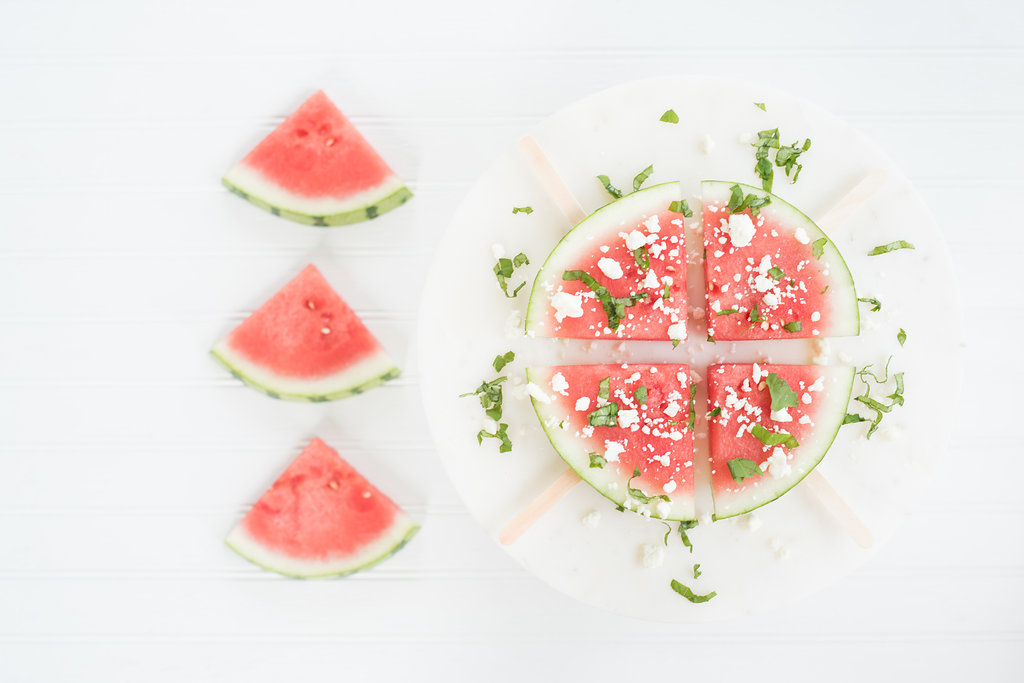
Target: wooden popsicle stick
[858,194]
[567,203]
[839,509]
[552,182]
[539,507]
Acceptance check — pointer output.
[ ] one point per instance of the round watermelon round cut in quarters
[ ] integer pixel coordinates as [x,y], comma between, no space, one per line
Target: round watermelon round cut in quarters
[317,168]
[627,430]
[306,344]
[619,274]
[758,454]
[321,518]
[773,275]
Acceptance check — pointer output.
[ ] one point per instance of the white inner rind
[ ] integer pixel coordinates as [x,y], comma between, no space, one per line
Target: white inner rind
[364,370]
[831,405]
[254,183]
[576,454]
[844,320]
[240,540]
[586,236]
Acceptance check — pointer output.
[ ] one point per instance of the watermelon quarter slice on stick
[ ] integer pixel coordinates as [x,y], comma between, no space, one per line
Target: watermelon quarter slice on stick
[321,518]
[316,168]
[627,430]
[771,273]
[306,344]
[757,453]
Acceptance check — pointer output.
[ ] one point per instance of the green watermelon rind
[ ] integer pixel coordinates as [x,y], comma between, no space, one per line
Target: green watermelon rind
[239,541]
[223,354]
[841,403]
[563,445]
[364,212]
[839,274]
[537,307]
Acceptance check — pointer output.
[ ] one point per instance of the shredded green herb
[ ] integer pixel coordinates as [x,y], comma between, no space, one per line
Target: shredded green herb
[597,460]
[503,360]
[696,571]
[738,202]
[684,526]
[689,594]
[693,407]
[612,190]
[642,258]
[642,177]
[776,272]
[502,435]
[669,117]
[759,105]
[770,438]
[741,468]
[875,304]
[682,207]
[715,412]
[503,270]
[755,315]
[867,376]
[490,397]
[726,311]
[818,247]
[782,395]
[793,327]
[522,209]
[640,496]
[641,394]
[901,337]
[892,246]
[614,306]
[605,416]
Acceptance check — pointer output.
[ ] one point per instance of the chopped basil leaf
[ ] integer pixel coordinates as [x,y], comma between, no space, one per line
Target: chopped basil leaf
[668,532]
[689,594]
[642,177]
[755,315]
[614,306]
[522,209]
[693,407]
[892,246]
[769,438]
[776,272]
[669,117]
[726,311]
[641,394]
[782,395]
[605,416]
[675,342]
[738,202]
[901,337]
[490,397]
[766,140]
[684,526]
[760,105]
[818,247]
[604,388]
[597,460]
[639,495]
[696,571]
[612,190]
[501,435]
[824,289]
[666,294]
[794,326]
[502,361]
[853,418]
[503,271]
[715,412]
[642,258]
[741,468]
[876,305]
[787,157]
[880,409]
[711,338]
[681,207]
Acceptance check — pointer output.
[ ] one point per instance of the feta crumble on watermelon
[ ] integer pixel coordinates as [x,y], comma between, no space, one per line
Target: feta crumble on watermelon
[317,168]
[609,421]
[321,518]
[811,402]
[775,275]
[635,249]
[306,344]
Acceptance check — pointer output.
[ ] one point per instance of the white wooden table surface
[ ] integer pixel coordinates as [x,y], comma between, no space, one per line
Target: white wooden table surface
[126,453]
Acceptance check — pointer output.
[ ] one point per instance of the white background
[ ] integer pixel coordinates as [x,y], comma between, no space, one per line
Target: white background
[126,453]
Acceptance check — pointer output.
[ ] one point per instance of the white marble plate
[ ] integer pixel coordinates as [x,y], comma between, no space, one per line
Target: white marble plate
[789,548]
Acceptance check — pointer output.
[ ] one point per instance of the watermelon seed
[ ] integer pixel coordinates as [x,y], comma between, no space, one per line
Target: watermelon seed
[311,305]
[366,494]
[333,484]
[325,330]
[330,141]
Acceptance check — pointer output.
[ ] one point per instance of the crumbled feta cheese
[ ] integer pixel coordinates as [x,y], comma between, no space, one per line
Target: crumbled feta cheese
[770,299]
[757,374]
[805,419]
[818,384]
[782,415]
[635,240]
[612,450]
[582,403]
[567,305]
[763,283]
[669,486]
[652,555]
[801,236]
[610,267]
[559,385]
[537,393]
[663,509]
[628,418]
[677,331]
[651,280]
[778,465]
[740,229]
[815,317]
[591,519]
[672,409]
[652,224]
[753,522]
[806,398]
[498,250]
[706,144]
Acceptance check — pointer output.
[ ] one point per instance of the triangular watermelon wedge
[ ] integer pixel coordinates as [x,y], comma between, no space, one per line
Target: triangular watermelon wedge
[627,430]
[619,274]
[321,518]
[316,168]
[752,460]
[306,344]
[774,275]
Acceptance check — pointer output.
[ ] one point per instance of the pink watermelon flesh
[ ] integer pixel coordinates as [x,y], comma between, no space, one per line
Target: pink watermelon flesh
[777,273]
[321,517]
[742,394]
[653,435]
[306,342]
[317,168]
[602,237]
[317,152]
